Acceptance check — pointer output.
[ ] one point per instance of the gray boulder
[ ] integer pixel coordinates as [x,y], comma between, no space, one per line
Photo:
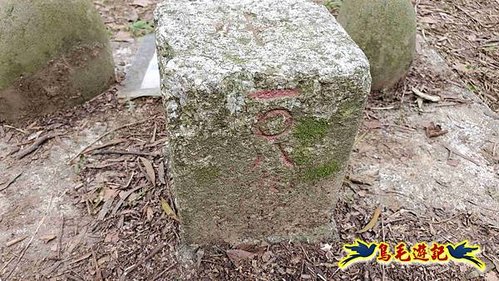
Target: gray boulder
[386,31]
[54,54]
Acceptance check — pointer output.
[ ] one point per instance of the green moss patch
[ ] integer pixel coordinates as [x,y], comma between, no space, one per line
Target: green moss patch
[309,130]
[206,175]
[320,172]
[32,33]
[302,156]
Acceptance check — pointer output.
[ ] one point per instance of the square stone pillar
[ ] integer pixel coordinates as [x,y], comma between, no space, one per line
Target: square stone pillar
[263,100]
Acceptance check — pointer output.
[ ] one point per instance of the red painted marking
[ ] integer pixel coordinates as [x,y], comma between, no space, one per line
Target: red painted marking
[274,94]
[288,121]
[285,159]
[273,189]
[257,162]
[268,181]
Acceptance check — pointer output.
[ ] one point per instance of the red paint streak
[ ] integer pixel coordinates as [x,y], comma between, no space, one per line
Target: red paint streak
[274,94]
[285,159]
[257,162]
[273,189]
[269,182]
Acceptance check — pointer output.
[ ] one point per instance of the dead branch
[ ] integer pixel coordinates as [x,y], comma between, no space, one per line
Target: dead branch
[10,182]
[122,152]
[32,148]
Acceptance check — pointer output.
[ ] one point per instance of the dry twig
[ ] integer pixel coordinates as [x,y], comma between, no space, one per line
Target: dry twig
[32,148]
[135,266]
[122,152]
[165,270]
[85,149]
[96,264]
[451,150]
[11,182]
[23,251]
[59,244]
[15,241]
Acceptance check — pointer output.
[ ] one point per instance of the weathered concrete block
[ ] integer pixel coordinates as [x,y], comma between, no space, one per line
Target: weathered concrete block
[54,54]
[263,100]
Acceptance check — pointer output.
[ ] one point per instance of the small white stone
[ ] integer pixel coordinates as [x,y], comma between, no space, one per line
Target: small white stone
[326,247]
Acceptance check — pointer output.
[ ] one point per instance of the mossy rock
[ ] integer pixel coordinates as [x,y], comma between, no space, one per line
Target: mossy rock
[55,54]
[386,31]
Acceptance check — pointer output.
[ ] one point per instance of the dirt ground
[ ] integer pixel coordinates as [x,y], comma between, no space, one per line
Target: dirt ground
[83,194]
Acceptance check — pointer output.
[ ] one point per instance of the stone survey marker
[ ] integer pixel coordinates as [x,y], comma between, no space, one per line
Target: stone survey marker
[263,100]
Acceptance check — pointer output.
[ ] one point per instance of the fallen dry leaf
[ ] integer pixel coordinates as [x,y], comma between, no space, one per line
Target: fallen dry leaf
[103,260]
[238,256]
[109,193]
[372,222]
[462,68]
[429,20]
[266,256]
[112,237]
[433,131]
[132,16]
[141,3]
[161,173]
[149,213]
[432,229]
[326,247]
[199,257]
[123,36]
[48,238]
[168,210]
[295,260]
[151,174]
[373,124]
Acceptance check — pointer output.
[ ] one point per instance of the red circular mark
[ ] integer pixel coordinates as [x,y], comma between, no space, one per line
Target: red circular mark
[274,94]
[286,125]
[288,122]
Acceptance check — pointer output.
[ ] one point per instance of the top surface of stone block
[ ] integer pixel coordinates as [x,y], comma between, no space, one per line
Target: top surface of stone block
[207,41]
